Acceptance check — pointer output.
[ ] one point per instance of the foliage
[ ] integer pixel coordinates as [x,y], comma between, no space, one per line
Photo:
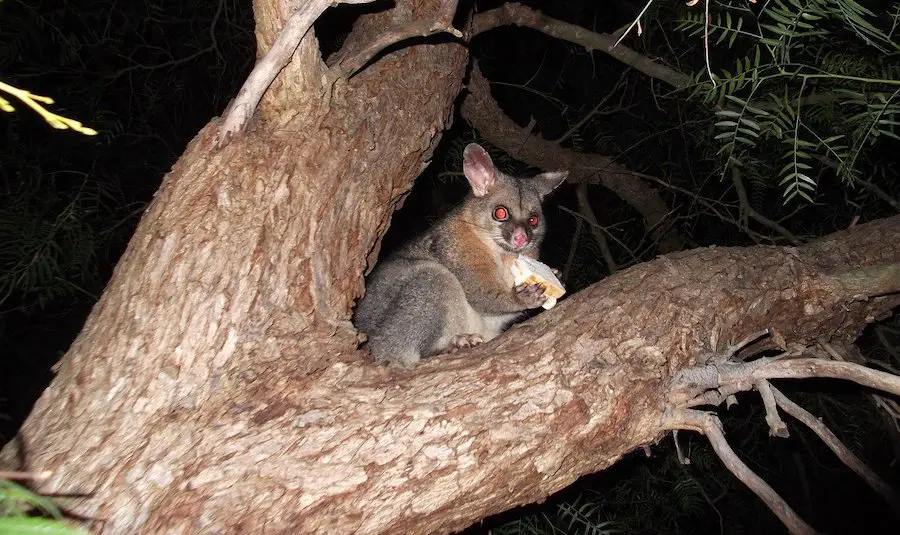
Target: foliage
[815,82]
[69,203]
[17,508]
[34,102]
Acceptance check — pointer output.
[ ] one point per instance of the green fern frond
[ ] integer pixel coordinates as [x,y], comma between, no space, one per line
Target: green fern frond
[722,26]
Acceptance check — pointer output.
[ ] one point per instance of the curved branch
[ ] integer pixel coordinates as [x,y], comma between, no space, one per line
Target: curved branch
[709,425]
[352,60]
[710,384]
[839,449]
[806,368]
[519,15]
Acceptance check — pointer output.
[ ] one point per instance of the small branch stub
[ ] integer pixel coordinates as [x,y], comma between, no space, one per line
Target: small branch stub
[777,427]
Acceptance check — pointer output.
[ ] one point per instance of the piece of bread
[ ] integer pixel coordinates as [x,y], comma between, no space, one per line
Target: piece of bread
[527,270]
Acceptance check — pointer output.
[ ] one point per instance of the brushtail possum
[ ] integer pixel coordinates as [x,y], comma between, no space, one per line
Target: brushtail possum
[454,286]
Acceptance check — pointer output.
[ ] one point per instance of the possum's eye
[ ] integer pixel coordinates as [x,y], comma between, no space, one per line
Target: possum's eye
[533,220]
[501,213]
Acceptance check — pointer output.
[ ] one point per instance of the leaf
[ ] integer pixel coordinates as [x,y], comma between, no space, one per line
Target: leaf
[23,525]
[22,496]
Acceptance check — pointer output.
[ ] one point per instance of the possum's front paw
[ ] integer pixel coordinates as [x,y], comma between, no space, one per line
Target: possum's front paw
[465,341]
[530,295]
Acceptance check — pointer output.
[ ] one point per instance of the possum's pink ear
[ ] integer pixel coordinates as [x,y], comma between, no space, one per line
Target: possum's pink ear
[547,182]
[479,169]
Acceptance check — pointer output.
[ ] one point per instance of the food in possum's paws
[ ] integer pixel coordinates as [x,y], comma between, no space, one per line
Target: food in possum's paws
[527,270]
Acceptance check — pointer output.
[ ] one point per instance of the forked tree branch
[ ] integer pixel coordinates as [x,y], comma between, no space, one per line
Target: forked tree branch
[711,426]
[349,61]
[843,452]
[264,72]
[718,381]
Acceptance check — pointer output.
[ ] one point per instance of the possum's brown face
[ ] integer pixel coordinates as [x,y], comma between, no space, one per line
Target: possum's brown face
[510,215]
[506,209]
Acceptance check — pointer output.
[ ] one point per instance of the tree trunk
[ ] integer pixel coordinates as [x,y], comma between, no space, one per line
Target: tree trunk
[236,289]
[216,387]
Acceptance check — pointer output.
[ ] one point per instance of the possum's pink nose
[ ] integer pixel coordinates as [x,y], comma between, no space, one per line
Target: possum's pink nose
[519,238]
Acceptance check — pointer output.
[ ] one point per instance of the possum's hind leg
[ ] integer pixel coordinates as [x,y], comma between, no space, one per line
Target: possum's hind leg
[427,310]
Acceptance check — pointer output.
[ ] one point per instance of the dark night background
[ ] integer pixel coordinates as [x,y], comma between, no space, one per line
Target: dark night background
[149,74]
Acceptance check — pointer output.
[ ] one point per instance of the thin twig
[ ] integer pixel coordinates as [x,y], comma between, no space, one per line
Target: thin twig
[571,258]
[747,340]
[706,42]
[580,217]
[709,425]
[709,499]
[584,206]
[577,126]
[748,210]
[682,458]
[843,452]
[513,13]
[878,192]
[635,22]
[710,205]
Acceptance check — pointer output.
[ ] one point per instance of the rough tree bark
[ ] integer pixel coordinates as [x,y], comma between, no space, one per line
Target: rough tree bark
[216,386]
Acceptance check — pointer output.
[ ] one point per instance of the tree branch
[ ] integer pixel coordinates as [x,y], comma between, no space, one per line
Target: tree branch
[352,447]
[264,72]
[709,425]
[18,476]
[349,61]
[834,444]
[519,15]
[710,384]
[880,193]
[870,281]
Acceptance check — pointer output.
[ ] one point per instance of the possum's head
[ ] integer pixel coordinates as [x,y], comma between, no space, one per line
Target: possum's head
[506,209]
